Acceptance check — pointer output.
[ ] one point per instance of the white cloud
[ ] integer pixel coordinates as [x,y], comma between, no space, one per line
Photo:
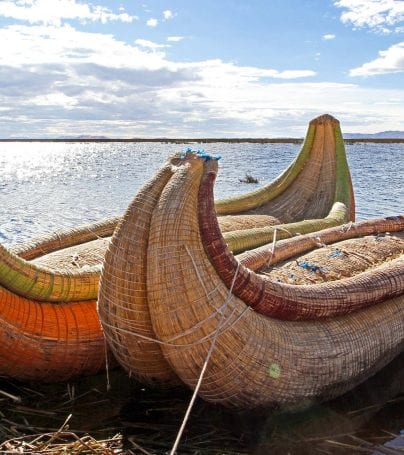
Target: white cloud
[54,12]
[149,44]
[58,79]
[390,60]
[217,70]
[41,45]
[292,74]
[54,99]
[168,14]
[328,37]
[175,39]
[378,15]
[152,22]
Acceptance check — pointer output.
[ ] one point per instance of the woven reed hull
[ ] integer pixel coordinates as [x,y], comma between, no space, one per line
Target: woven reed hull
[314,193]
[122,300]
[274,299]
[70,272]
[123,303]
[309,186]
[258,360]
[65,238]
[48,341]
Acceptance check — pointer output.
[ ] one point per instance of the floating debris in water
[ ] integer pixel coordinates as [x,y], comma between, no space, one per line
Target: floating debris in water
[248,179]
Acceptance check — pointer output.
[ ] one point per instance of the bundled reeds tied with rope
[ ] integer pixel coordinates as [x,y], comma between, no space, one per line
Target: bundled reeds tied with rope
[260,340]
[316,184]
[313,193]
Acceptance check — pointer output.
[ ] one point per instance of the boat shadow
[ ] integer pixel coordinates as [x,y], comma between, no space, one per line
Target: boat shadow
[357,422]
[149,418]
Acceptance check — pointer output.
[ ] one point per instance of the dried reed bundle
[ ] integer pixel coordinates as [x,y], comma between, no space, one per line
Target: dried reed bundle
[65,238]
[274,299]
[63,442]
[122,299]
[57,278]
[48,342]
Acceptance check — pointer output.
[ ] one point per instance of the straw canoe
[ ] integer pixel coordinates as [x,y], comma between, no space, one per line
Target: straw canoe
[123,303]
[269,360]
[66,274]
[306,197]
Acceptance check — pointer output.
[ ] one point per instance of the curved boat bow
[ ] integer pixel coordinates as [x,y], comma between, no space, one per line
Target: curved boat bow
[315,192]
[316,184]
[258,360]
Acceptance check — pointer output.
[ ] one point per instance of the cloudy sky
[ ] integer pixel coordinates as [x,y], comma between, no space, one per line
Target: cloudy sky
[185,68]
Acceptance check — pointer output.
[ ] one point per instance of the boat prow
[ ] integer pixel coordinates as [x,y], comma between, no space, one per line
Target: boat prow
[262,360]
[317,184]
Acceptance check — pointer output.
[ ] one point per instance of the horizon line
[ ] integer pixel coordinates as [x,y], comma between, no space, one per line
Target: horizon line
[197,140]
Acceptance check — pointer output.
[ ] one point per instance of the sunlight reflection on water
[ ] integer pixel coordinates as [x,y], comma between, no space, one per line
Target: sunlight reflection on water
[47,186]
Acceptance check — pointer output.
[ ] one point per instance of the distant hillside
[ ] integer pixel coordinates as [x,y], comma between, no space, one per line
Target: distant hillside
[381,135]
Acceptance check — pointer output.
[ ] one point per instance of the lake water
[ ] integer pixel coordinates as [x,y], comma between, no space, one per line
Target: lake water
[48,186]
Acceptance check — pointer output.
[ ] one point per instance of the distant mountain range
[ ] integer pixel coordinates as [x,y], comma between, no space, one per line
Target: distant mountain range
[84,137]
[381,135]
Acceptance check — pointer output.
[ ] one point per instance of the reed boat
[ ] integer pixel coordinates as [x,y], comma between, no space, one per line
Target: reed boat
[313,193]
[277,343]
[47,277]
[319,175]
[49,327]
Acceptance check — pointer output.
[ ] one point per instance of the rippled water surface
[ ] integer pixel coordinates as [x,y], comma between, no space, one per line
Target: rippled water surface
[46,186]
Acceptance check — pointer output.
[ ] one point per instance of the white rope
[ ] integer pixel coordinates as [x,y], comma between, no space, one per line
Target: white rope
[202,374]
[196,270]
[107,363]
[272,249]
[182,345]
